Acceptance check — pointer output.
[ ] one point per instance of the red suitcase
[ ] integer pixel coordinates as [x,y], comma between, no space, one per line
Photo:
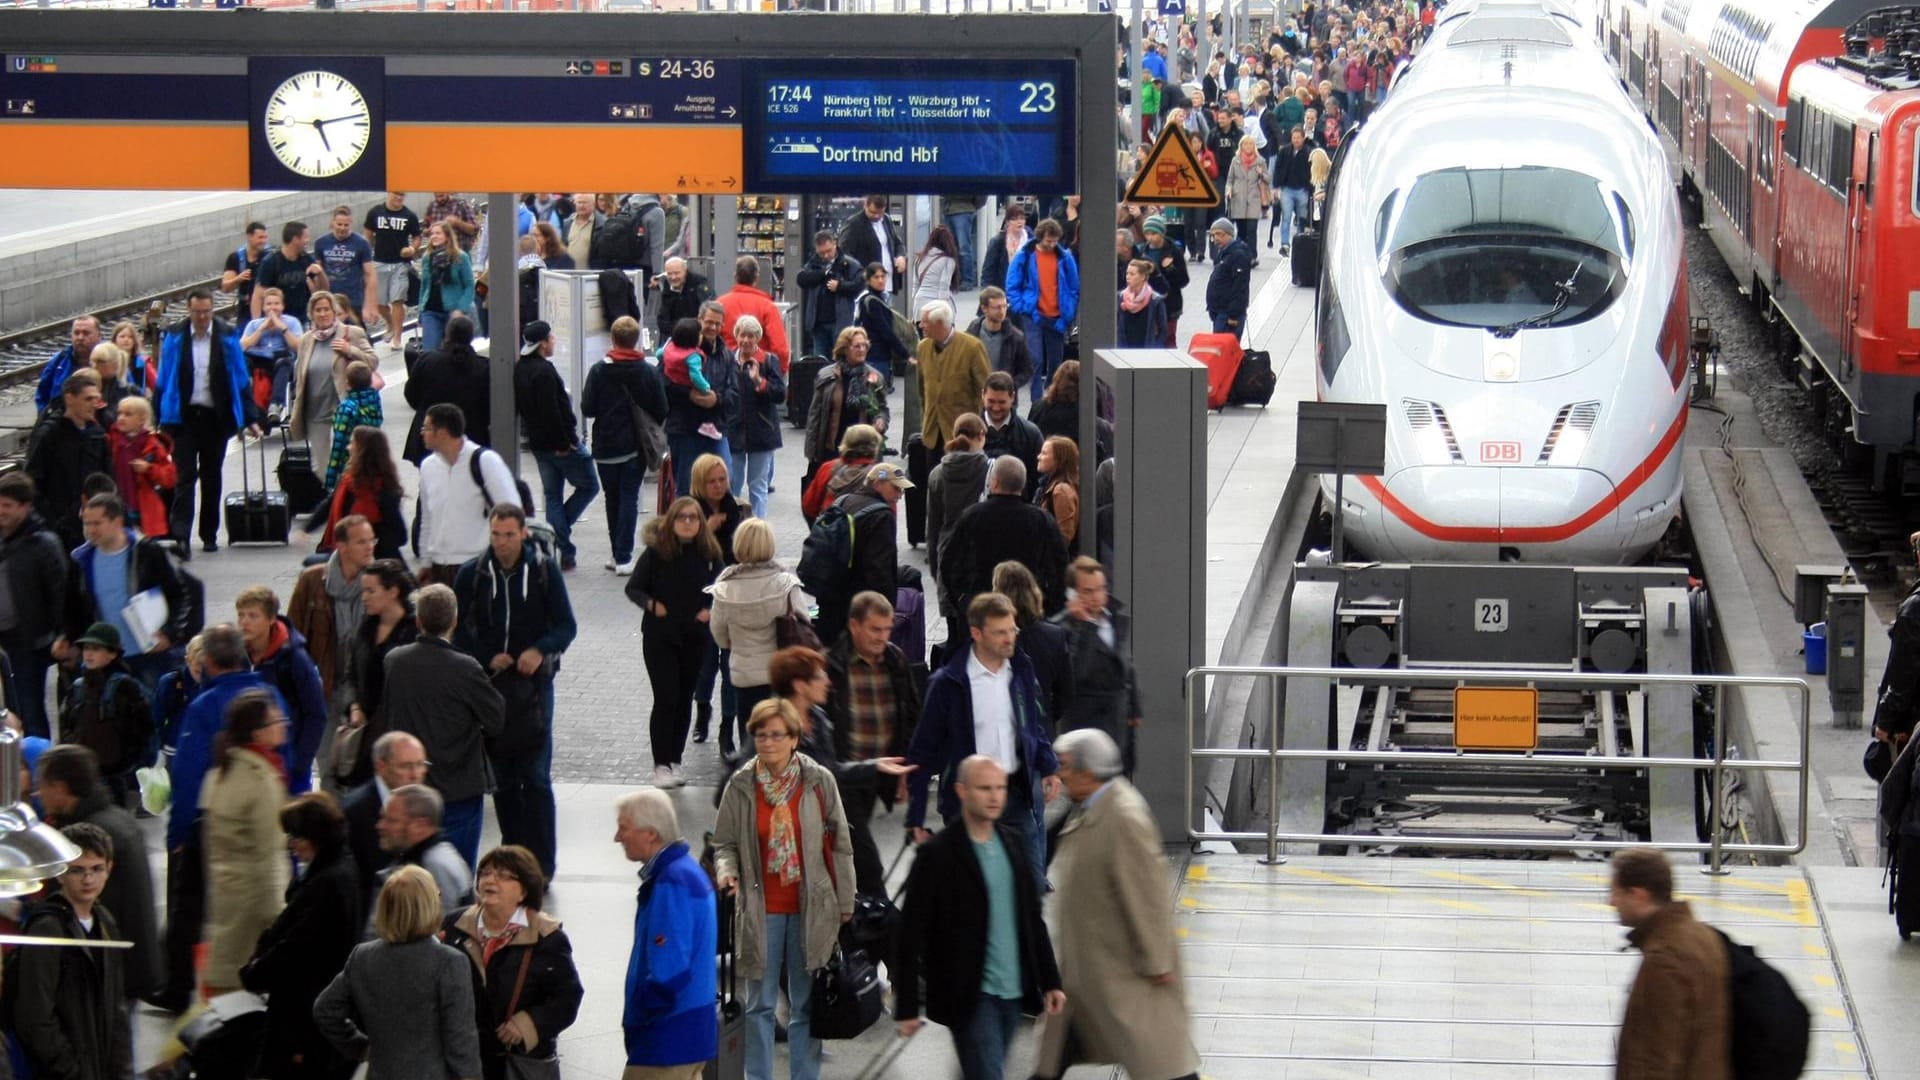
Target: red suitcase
[1221,353]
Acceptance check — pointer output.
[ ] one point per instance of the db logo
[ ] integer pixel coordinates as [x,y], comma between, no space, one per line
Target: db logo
[1500,453]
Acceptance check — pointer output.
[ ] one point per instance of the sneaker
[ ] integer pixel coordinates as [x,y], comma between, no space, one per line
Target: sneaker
[625,568]
[664,778]
[568,562]
[612,567]
[1286,251]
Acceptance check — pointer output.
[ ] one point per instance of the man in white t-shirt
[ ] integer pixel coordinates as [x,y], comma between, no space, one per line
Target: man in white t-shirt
[452,526]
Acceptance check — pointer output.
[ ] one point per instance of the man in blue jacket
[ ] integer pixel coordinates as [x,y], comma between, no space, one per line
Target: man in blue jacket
[986,700]
[515,614]
[279,655]
[1043,288]
[85,334]
[1229,290]
[227,673]
[204,399]
[671,1026]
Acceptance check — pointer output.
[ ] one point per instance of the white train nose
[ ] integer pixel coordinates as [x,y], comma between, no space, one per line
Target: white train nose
[1454,512]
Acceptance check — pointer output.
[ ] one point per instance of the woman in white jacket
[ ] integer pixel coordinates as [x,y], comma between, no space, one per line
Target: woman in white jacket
[749,598]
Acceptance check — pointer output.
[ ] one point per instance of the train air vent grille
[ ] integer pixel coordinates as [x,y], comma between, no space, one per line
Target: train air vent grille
[1581,416]
[1427,415]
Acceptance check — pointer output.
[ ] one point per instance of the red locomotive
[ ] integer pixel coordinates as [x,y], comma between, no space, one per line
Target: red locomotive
[1794,124]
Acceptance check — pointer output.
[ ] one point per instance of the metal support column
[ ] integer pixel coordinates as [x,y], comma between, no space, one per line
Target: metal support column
[1099,183]
[1159,558]
[726,241]
[503,324]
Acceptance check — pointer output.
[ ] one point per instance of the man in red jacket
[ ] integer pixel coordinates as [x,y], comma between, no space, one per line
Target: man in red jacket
[747,299]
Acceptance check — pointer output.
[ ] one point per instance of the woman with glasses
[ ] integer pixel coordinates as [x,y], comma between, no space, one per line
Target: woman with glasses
[669,584]
[526,990]
[308,943]
[780,823]
[240,827]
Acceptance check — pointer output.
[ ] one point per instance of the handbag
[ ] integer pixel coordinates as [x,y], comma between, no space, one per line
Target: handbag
[524,1066]
[348,737]
[791,628]
[846,995]
[649,437]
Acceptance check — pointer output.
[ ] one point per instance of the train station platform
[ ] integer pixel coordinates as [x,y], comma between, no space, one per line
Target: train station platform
[63,253]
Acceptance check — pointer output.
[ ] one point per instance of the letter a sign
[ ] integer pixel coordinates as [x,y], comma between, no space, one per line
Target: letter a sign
[1172,176]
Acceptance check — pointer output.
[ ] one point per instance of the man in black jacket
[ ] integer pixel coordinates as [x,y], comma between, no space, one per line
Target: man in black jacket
[35,568]
[546,413]
[1229,290]
[681,293]
[832,283]
[1009,433]
[452,374]
[971,918]
[1003,526]
[1293,188]
[874,703]
[442,696]
[67,780]
[871,237]
[116,562]
[515,615]
[70,1014]
[875,565]
[399,759]
[66,447]
[1005,337]
[1100,649]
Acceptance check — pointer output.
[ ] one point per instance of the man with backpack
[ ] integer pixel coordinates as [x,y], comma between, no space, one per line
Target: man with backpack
[113,568]
[108,711]
[515,619]
[1677,1023]
[460,482]
[853,547]
[631,238]
[546,413]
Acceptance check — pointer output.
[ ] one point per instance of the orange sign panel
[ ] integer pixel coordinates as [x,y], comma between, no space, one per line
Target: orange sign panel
[1172,176]
[1496,718]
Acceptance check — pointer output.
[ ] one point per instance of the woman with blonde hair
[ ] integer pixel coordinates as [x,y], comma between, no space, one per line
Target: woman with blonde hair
[669,584]
[749,599]
[320,372]
[1248,192]
[782,845]
[404,1001]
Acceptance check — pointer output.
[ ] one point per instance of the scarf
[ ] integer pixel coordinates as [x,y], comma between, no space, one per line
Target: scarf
[1247,158]
[782,845]
[491,943]
[271,757]
[1134,301]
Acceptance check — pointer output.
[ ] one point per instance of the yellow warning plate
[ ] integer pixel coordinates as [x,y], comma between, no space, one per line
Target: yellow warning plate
[1496,718]
[1172,176]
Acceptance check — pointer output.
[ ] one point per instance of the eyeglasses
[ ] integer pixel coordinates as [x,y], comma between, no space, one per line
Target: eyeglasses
[771,736]
[83,873]
[496,872]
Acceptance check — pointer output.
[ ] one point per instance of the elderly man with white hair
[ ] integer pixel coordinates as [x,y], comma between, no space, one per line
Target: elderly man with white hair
[953,370]
[1119,962]
[670,1024]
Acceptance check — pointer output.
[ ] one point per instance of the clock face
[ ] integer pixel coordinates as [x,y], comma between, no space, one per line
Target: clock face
[318,124]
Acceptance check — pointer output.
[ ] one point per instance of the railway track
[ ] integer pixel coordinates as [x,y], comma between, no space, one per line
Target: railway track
[24,353]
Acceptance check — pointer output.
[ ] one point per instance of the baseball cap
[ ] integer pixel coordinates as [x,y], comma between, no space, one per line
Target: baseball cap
[892,474]
[533,334]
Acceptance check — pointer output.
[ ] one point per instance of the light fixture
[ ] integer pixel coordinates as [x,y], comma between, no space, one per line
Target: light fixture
[31,851]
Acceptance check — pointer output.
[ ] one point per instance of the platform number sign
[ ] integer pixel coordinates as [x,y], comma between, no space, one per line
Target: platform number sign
[1490,616]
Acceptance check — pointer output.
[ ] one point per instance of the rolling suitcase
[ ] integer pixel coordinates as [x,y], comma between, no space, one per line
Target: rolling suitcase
[800,379]
[731,1061]
[1253,384]
[256,517]
[919,467]
[1306,258]
[910,624]
[297,478]
[1221,353]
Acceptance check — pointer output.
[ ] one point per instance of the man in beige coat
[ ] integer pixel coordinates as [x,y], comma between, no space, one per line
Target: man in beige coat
[953,374]
[1118,961]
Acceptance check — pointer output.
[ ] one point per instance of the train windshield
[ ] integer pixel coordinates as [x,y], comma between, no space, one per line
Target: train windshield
[1504,249]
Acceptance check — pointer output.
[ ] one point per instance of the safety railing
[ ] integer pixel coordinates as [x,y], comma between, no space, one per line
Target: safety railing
[1274,754]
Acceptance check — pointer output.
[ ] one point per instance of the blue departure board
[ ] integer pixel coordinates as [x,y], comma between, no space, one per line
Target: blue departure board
[863,126]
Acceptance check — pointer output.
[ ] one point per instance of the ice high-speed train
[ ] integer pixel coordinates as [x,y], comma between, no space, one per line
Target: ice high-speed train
[1503,267]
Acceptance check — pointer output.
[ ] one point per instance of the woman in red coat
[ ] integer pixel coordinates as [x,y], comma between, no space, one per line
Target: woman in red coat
[142,465]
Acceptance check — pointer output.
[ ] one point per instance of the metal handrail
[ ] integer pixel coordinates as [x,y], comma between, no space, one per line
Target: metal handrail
[1274,754]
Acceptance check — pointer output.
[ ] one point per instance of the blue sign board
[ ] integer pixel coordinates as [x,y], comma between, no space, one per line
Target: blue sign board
[884,127]
[1173,7]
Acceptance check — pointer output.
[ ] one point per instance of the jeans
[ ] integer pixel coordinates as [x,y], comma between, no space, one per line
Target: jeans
[786,949]
[523,796]
[733,720]
[1049,348]
[685,449]
[1220,323]
[983,1045]
[1293,207]
[557,469]
[621,480]
[822,339]
[433,326]
[672,667]
[714,668]
[752,477]
[964,232]
[200,453]
[460,824]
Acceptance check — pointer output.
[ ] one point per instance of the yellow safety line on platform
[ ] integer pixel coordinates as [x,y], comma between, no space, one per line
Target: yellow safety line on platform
[1823,980]
[1486,883]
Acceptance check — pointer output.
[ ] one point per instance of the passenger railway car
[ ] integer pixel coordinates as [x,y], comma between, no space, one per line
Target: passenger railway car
[1793,125]
[1503,267]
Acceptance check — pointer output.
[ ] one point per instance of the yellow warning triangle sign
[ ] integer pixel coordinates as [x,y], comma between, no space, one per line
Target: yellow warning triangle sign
[1172,176]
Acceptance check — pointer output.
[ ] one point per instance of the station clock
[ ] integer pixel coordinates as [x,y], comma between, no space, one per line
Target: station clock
[317,124]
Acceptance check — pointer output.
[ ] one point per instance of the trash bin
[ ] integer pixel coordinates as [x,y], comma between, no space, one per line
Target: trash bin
[1815,640]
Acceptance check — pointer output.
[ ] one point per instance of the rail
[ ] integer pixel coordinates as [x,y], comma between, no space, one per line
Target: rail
[1274,754]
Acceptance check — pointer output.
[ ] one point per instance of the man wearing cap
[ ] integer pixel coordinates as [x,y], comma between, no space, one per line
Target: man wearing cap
[546,414]
[108,711]
[1170,275]
[1230,287]
[876,554]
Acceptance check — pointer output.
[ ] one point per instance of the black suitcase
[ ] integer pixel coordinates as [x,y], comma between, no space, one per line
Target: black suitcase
[801,376]
[256,517]
[1253,384]
[1306,258]
[297,477]
[919,467]
[731,1061]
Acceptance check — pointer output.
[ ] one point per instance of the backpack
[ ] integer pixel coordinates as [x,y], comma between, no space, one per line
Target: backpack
[529,295]
[903,327]
[617,297]
[196,589]
[623,243]
[1770,1024]
[826,559]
